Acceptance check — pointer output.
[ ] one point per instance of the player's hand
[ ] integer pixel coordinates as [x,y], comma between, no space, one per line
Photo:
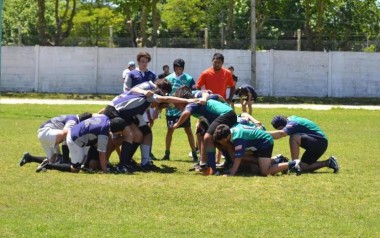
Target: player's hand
[148,93]
[175,126]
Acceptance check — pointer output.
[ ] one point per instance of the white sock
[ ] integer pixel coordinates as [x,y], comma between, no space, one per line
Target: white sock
[145,154]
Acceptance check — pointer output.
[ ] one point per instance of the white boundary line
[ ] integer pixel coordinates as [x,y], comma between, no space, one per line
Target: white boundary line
[257,105]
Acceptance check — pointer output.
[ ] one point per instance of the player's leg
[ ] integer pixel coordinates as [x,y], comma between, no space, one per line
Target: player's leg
[267,166]
[170,120]
[314,149]
[249,104]
[190,137]
[243,105]
[295,144]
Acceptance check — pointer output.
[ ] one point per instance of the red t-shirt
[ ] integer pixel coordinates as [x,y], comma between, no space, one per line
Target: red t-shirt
[216,81]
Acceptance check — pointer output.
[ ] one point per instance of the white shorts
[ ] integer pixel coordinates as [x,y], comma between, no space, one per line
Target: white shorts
[77,154]
[142,121]
[145,115]
[47,137]
[228,91]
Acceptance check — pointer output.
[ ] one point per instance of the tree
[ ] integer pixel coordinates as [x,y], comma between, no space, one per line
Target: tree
[93,22]
[19,22]
[64,12]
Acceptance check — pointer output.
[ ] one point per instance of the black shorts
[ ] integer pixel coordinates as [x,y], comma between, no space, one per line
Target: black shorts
[145,130]
[314,147]
[171,120]
[111,113]
[265,153]
[201,128]
[93,154]
[228,119]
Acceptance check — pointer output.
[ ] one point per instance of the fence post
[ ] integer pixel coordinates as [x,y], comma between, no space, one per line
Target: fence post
[36,68]
[206,38]
[271,73]
[111,36]
[329,81]
[299,40]
[96,69]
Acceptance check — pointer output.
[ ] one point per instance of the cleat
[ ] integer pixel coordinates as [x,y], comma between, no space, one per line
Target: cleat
[42,166]
[283,159]
[152,157]
[87,170]
[297,168]
[200,167]
[333,164]
[166,157]
[149,167]
[191,153]
[210,171]
[122,170]
[24,159]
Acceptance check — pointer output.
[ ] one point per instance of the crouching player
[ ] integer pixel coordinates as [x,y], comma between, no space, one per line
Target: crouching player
[215,113]
[94,131]
[305,134]
[242,138]
[52,133]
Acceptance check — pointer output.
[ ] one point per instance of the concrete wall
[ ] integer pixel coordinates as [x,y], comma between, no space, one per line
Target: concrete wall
[279,73]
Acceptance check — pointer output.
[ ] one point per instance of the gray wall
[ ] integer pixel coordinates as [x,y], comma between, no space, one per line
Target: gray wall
[279,73]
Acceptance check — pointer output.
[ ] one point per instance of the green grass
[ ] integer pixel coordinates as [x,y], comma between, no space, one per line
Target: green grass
[179,203]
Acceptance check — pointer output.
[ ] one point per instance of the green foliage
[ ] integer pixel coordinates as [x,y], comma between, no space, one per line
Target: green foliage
[179,203]
[371,48]
[326,25]
[184,16]
[94,24]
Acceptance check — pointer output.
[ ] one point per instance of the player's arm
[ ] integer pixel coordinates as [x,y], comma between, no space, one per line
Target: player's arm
[142,91]
[184,116]
[251,118]
[103,161]
[235,166]
[278,134]
[232,92]
[150,117]
[128,83]
[170,99]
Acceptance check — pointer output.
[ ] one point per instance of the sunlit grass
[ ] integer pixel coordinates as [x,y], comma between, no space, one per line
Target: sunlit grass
[180,203]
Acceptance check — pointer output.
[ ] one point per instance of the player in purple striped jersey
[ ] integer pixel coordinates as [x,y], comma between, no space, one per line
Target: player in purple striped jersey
[130,106]
[51,134]
[94,131]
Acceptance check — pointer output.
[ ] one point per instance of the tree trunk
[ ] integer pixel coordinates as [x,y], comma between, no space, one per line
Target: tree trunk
[319,29]
[143,24]
[155,22]
[230,20]
[60,35]
[307,27]
[42,23]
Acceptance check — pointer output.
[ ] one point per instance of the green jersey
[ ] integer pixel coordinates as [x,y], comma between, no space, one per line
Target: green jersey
[177,82]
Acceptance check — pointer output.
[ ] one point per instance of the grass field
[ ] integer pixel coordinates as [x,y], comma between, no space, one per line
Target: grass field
[179,203]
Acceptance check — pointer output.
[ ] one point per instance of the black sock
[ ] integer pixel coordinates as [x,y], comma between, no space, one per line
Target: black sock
[65,154]
[36,159]
[60,167]
[126,153]
[135,146]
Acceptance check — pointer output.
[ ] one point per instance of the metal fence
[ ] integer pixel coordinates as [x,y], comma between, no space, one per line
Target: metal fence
[175,42]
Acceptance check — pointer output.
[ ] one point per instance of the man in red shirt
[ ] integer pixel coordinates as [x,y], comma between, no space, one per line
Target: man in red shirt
[217,78]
